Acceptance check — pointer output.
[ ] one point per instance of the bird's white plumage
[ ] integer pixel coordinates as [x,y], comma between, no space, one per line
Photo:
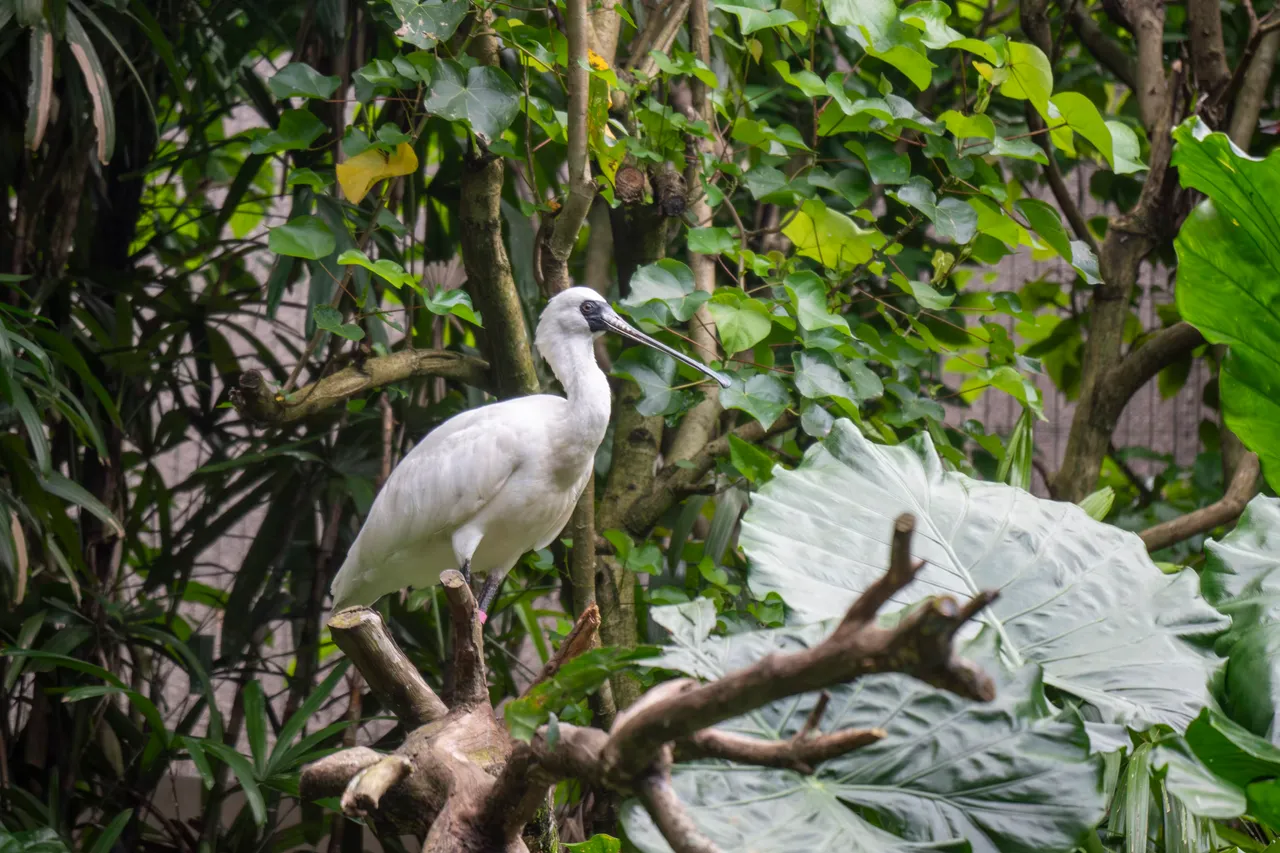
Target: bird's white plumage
[490,484]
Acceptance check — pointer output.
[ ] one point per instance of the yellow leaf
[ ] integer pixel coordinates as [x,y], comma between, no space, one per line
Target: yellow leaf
[596,61]
[358,175]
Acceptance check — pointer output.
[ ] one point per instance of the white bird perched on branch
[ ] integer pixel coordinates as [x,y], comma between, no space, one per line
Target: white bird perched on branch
[491,484]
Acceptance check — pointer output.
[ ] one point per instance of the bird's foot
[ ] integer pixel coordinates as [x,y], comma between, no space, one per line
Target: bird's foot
[466,571]
[487,594]
[484,617]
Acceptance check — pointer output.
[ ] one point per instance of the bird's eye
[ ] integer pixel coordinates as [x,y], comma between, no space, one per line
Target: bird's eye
[589,308]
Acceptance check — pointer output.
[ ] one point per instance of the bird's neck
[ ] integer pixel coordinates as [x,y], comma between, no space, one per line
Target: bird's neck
[587,388]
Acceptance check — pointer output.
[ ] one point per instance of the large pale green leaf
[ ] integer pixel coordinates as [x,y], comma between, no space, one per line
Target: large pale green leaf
[763,396]
[662,292]
[483,97]
[1001,776]
[1242,577]
[741,321]
[1079,597]
[831,238]
[1229,279]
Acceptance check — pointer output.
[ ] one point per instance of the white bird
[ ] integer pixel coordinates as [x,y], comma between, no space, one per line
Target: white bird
[491,484]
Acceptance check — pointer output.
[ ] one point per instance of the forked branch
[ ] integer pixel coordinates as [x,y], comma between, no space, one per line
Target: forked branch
[476,788]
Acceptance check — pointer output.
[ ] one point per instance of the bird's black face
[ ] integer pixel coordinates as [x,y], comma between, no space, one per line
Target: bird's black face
[594,312]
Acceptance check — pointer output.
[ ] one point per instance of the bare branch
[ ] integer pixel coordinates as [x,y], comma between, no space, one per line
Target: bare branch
[920,646]
[1104,48]
[1252,89]
[668,813]
[330,776]
[1241,490]
[365,790]
[902,570]
[801,753]
[258,402]
[582,190]
[364,638]
[470,681]
[579,639]
[1138,367]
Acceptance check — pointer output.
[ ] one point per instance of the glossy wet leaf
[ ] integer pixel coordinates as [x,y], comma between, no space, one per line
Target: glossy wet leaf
[455,302]
[384,268]
[763,396]
[1001,776]
[1229,279]
[297,79]
[482,97]
[1079,597]
[302,237]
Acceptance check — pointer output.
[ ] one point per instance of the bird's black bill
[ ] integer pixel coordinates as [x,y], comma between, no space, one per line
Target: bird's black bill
[617,324]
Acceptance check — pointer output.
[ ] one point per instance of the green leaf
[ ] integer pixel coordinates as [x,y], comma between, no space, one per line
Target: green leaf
[817,376]
[302,237]
[482,96]
[308,178]
[1195,785]
[296,131]
[455,302]
[1030,76]
[1015,466]
[243,771]
[330,319]
[574,681]
[809,84]
[1124,145]
[107,838]
[655,373]
[299,80]
[763,396]
[948,771]
[1019,149]
[39,82]
[753,20]
[663,291]
[1083,599]
[256,724]
[886,165]
[425,24]
[952,218]
[711,241]
[931,19]
[742,322]
[1241,577]
[1098,504]
[808,295]
[769,185]
[831,238]
[1083,117]
[295,724]
[754,463]
[383,268]
[599,843]
[1229,279]
[72,492]
[1045,220]
[968,127]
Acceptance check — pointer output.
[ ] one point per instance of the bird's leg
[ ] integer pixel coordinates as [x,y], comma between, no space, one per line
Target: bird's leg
[466,571]
[487,594]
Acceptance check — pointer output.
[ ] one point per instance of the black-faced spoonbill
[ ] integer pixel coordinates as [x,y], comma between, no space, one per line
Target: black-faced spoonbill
[491,484]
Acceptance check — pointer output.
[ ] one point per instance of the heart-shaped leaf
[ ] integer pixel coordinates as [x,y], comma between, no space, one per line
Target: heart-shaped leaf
[482,96]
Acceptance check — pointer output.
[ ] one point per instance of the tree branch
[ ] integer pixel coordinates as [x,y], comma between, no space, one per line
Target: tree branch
[582,190]
[365,790]
[470,681]
[801,754]
[364,638]
[257,402]
[1105,49]
[579,639]
[1252,89]
[1241,490]
[668,813]
[1142,364]
[919,646]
